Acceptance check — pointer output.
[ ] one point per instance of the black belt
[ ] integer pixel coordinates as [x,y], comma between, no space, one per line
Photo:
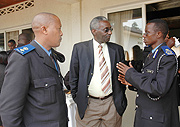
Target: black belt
[101,98]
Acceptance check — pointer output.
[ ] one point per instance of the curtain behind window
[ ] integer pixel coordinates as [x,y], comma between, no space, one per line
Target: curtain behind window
[127,30]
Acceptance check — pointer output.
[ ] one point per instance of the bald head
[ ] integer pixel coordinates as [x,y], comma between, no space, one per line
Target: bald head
[42,19]
[47,30]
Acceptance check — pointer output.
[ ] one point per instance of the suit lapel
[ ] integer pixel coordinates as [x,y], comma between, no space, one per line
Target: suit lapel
[47,60]
[148,60]
[59,70]
[151,59]
[112,54]
[90,52]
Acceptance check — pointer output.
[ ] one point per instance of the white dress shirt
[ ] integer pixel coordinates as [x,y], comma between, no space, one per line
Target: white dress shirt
[94,88]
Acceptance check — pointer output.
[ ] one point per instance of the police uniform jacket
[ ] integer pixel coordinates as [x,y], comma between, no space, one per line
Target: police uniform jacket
[81,72]
[156,97]
[32,93]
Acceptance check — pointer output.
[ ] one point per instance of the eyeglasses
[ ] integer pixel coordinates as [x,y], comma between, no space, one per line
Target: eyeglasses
[106,30]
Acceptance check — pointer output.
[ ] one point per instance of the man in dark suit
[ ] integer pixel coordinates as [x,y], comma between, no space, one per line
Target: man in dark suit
[156,100]
[3,63]
[95,88]
[32,93]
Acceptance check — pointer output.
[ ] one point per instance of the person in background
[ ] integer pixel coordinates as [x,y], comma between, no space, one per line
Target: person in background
[23,39]
[93,78]
[3,63]
[32,93]
[11,44]
[156,101]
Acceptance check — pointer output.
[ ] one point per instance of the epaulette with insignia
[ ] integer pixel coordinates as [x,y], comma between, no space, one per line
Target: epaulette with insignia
[167,50]
[25,49]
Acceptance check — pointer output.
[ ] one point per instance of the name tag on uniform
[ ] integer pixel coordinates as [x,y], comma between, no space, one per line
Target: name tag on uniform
[149,71]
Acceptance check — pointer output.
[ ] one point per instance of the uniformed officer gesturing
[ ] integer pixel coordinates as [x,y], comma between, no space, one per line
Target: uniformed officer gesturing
[156,86]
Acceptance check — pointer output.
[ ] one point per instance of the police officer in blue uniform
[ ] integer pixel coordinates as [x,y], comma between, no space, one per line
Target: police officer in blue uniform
[32,93]
[156,102]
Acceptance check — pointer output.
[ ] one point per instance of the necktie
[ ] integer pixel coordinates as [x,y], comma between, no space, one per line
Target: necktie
[52,58]
[54,62]
[105,76]
[150,54]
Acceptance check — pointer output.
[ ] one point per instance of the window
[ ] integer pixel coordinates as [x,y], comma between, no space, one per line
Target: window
[127,32]
[2,42]
[12,35]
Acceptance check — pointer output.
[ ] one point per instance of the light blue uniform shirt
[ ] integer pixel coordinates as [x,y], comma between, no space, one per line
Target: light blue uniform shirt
[156,48]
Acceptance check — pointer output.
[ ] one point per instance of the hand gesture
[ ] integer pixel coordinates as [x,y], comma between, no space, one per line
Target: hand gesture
[122,68]
[121,78]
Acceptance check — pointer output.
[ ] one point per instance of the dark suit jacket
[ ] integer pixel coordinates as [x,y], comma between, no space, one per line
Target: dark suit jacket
[151,85]
[81,72]
[32,93]
[2,69]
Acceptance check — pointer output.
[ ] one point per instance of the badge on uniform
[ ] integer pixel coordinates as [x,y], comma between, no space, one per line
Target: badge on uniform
[25,49]
[167,50]
[149,71]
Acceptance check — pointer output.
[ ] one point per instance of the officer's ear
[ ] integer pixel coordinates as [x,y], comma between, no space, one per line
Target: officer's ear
[159,34]
[44,29]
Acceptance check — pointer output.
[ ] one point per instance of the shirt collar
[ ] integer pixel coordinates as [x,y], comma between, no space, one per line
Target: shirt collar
[156,48]
[48,52]
[96,44]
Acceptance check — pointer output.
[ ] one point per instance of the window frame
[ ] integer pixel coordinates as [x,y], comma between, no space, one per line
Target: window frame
[17,28]
[130,6]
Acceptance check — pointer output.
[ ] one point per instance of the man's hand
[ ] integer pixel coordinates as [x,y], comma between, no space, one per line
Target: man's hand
[121,78]
[122,68]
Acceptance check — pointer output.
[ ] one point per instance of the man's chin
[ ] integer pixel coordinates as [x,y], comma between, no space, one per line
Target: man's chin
[57,45]
[107,40]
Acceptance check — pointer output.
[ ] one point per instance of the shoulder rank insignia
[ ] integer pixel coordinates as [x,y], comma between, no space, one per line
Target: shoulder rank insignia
[167,50]
[25,49]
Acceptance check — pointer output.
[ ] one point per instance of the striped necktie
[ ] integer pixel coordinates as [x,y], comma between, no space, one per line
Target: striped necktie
[105,76]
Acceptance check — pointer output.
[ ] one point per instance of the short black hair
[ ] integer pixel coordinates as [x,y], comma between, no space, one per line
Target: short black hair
[3,57]
[160,25]
[13,41]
